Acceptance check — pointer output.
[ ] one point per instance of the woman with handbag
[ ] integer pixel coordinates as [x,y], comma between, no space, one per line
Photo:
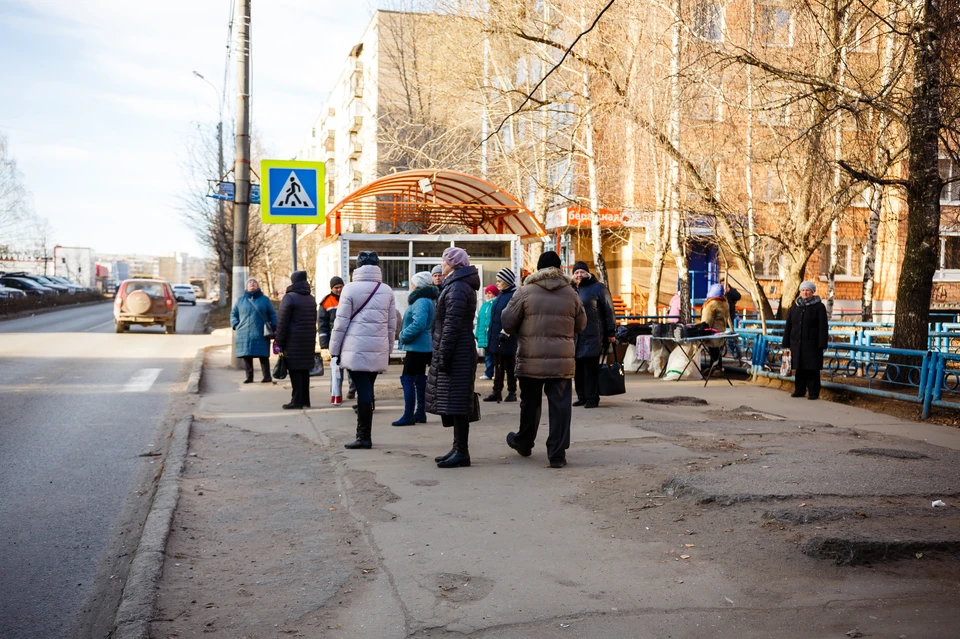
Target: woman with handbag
[255,322]
[453,368]
[296,336]
[363,335]
[593,340]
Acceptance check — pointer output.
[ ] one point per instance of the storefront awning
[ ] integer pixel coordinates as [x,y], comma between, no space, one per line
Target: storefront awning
[435,199]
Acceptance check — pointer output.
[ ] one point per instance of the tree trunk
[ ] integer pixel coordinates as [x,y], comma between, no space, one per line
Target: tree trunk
[920,255]
[870,255]
[596,244]
[832,267]
[656,267]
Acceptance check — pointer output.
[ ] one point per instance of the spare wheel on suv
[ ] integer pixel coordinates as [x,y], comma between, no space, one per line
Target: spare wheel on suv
[139,303]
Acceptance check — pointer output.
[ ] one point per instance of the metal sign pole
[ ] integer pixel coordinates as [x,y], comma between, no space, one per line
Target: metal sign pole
[293,229]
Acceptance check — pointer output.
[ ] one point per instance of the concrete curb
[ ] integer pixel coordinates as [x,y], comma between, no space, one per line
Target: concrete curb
[139,593]
[193,382]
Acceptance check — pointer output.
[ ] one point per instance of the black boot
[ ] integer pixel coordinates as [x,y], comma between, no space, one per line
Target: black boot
[511,396]
[453,450]
[461,452]
[364,427]
[493,397]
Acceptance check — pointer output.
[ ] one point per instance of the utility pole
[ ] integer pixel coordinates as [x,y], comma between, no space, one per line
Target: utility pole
[241,169]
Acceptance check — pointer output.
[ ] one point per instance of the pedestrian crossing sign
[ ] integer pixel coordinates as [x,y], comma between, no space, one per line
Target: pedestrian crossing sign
[293,191]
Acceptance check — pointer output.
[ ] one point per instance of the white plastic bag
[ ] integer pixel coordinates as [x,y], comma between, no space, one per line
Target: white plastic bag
[678,360]
[336,381]
[786,364]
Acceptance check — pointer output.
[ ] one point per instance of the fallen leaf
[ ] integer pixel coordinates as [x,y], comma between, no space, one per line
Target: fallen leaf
[919,555]
[332,508]
[803,504]
[689,545]
[684,556]
[367,571]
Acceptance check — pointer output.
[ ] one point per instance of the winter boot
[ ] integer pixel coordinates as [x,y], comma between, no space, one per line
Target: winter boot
[364,426]
[453,450]
[461,453]
[511,396]
[420,386]
[409,401]
[493,397]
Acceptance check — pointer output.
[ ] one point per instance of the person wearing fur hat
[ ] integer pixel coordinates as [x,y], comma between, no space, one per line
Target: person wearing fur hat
[363,337]
[592,342]
[453,368]
[546,314]
[716,314]
[483,326]
[296,335]
[503,347]
[806,335]
[417,345]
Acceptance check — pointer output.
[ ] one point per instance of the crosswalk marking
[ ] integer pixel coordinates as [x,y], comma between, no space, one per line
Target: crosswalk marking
[142,380]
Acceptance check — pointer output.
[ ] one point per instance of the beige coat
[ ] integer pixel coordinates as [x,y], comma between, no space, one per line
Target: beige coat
[716,313]
[545,313]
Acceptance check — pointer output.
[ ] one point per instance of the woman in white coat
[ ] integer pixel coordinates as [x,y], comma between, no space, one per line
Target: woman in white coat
[363,335]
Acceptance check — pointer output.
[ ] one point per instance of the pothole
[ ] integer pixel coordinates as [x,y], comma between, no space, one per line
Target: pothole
[677,400]
[896,453]
[461,587]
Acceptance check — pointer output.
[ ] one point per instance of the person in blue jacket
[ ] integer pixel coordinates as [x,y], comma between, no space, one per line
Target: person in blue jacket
[501,346]
[249,315]
[417,344]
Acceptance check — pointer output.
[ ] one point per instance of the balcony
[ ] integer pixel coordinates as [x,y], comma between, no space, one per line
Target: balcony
[356,124]
[355,150]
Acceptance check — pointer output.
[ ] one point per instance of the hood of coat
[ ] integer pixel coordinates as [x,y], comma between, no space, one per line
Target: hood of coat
[467,273]
[430,292]
[549,279]
[367,273]
[303,288]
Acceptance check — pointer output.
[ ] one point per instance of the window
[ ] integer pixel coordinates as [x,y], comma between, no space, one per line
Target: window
[865,35]
[395,272]
[331,191]
[766,262]
[950,252]
[951,192]
[708,21]
[848,259]
[771,186]
[776,27]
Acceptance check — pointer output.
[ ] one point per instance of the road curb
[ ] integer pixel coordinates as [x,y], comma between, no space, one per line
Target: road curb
[139,593]
[193,382]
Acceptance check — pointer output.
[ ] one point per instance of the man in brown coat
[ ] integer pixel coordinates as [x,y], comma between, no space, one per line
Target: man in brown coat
[545,314]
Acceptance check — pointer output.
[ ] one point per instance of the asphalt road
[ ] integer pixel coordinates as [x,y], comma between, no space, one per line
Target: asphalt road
[79,405]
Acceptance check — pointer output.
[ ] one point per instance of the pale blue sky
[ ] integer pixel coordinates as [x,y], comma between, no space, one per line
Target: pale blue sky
[98,101]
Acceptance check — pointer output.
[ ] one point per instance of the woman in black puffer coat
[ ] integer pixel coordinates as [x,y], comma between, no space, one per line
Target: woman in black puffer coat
[453,367]
[591,343]
[296,336]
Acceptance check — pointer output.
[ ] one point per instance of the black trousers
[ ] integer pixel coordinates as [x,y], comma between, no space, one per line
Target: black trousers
[586,380]
[416,363]
[264,366]
[506,364]
[364,381]
[807,381]
[300,381]
[559,395]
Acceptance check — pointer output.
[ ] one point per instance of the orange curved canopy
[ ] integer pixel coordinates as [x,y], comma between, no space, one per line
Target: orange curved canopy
[437,197]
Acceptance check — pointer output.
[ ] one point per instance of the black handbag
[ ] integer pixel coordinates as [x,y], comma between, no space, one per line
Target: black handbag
[475,409]
[612,380]
[280,368]
[317,370]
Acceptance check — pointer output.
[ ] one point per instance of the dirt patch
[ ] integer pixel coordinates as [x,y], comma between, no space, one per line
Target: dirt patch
[461,587]
[677,400]
[889,452]
[425,482]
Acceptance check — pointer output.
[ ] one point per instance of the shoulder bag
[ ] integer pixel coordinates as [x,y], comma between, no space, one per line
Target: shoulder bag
[267,331]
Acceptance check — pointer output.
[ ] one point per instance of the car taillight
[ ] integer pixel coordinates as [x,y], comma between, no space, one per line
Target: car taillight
[168,299]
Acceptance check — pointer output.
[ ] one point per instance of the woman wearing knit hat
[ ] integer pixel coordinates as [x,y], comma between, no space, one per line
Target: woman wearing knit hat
[806,335]
[592,341]
[483,326]
[716,313]
[501,346]
[363,337]
[415,341]
[453,368]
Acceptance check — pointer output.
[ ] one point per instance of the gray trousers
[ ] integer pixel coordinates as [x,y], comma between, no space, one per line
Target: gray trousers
[559,397]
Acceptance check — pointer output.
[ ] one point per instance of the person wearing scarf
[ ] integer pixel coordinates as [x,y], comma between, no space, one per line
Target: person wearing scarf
[805,335]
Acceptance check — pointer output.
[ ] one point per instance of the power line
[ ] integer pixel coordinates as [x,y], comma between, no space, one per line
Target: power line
[547,75]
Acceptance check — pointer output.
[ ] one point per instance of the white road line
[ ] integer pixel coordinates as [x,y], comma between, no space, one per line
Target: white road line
[142,380]
[93,328]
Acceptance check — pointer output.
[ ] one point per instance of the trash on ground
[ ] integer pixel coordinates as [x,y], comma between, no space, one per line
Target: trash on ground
[937,504]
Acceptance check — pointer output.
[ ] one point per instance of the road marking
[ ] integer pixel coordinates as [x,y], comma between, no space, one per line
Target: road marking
[93,328]
[142,380]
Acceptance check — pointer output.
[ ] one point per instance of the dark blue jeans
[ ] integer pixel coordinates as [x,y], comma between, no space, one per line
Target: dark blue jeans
[364,381]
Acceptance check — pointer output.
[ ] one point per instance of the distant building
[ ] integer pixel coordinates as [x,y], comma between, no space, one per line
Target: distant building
[77,264]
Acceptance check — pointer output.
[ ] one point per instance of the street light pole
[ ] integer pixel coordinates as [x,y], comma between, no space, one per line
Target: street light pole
[221,234]
[241,169]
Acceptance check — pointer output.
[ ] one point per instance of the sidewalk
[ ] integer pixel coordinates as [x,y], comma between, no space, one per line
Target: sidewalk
[728,518]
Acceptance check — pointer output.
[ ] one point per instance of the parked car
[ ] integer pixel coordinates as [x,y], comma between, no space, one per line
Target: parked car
[185,293]
[74,288]
[28,286]
[147,303]
[9,293]
[43,281]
